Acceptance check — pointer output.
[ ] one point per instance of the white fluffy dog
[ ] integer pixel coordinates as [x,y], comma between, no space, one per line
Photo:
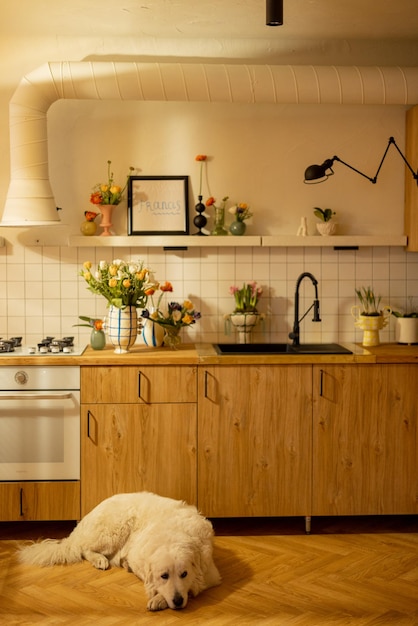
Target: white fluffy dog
[166,543]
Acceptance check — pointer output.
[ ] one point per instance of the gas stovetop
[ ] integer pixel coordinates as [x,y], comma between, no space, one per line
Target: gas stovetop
[47,346]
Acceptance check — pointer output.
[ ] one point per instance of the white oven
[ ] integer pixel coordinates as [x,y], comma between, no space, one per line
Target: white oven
[39,423]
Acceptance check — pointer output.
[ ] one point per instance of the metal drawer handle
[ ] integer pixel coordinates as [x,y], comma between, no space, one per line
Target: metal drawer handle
[24,395]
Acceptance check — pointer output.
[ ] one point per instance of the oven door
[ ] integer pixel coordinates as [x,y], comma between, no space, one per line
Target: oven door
[39,435]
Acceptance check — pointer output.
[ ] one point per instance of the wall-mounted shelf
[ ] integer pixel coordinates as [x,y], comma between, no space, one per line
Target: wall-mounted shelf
[165,241]
[336,241]
[283,241]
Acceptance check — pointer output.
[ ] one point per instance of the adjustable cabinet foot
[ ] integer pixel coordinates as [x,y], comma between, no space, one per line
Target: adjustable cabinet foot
[308,524]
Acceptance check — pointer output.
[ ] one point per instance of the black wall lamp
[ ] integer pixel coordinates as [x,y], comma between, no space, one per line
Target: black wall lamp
[320,173]
[274,12]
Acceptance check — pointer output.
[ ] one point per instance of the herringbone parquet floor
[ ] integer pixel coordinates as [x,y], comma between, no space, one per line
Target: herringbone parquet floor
[359,571]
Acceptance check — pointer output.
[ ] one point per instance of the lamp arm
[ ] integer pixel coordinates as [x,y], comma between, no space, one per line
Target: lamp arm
[414,174]
[374,179]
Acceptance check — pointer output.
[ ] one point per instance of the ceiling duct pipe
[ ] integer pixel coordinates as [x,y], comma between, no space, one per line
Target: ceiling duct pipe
[30,200]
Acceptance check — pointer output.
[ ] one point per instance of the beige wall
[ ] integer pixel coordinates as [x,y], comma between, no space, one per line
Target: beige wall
[259,155]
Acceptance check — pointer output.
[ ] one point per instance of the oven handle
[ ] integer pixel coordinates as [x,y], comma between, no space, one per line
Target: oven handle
[24,395]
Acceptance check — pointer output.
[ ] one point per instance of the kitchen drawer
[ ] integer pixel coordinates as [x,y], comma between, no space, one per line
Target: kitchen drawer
[33,501]
[139,384]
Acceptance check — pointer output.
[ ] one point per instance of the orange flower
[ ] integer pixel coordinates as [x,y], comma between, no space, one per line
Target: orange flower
[167,286]
[210,201]
[150,291]
[90,215]
[96,197]
[201,157]
[98,324]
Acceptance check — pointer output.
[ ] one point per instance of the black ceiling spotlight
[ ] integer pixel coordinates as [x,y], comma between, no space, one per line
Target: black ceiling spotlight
[274,12]
[320,173]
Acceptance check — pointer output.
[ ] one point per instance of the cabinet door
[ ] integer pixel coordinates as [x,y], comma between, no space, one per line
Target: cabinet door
[365,451]
[127,448]
[138,384]
[255,429]
[30,501]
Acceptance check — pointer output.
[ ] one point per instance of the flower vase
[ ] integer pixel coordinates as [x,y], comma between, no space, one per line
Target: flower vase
[237,228]
[172,337]
[88,228]
[122,328]
[200,220]
[244,323]
[152,333]
[97,339]
[219,228]
[106,211]
[371,324]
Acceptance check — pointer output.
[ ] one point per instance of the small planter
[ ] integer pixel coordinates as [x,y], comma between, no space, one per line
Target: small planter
[406,330]
[244,323]
[371,324]
[327,228]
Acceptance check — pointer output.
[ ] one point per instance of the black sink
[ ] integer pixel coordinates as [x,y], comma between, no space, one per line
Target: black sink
[280,348]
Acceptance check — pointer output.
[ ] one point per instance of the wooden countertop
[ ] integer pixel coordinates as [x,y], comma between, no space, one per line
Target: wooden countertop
[395,353]
[205,353]
[208,355]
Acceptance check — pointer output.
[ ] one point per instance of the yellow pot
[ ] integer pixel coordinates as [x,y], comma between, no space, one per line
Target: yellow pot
[371,324]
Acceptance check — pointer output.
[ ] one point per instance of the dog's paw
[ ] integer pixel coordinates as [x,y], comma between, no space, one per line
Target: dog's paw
[99,561]
[157,603]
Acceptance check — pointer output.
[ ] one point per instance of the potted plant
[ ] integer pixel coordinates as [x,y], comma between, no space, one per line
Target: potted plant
[406,330]
[369,317]
[326,225]
[245,315]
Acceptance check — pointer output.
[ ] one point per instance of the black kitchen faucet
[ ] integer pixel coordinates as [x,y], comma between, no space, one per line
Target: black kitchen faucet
[294,335]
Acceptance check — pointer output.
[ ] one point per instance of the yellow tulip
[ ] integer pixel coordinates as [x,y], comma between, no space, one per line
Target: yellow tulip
[115,189]
[126,283]
[112,283]
[87,265]
[187,319]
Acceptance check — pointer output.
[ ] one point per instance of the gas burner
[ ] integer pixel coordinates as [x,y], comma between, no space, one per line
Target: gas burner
[47,347]
[8,345]
[50,344]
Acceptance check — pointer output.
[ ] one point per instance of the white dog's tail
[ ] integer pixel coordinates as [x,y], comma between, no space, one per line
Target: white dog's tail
[51,552]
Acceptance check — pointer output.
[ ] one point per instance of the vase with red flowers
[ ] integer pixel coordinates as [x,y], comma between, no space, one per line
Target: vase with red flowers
[105,196]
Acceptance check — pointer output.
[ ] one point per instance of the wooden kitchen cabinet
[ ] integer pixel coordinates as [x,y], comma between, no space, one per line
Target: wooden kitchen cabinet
[254,443]
[365,439]
[36,501]
[139,429]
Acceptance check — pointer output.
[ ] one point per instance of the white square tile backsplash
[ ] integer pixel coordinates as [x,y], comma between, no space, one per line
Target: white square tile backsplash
[42,293]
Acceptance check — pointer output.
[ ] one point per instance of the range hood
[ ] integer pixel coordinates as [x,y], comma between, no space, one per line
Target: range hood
[30,200]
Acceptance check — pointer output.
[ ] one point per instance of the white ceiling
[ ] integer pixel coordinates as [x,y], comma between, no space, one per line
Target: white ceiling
[337,28]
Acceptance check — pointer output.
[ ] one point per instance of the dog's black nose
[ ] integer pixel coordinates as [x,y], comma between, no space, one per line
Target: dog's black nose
[178,600]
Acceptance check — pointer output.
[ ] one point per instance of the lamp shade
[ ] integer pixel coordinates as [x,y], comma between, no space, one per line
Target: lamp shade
[318,173]
[274,12]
